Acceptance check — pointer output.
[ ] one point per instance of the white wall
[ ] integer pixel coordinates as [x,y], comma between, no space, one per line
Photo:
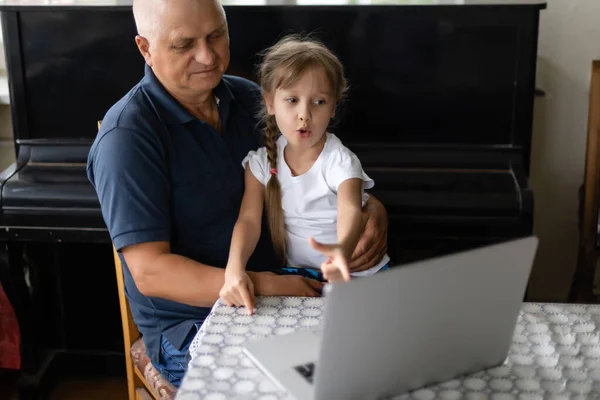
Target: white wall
[2,58]
[6,133]
[569,40]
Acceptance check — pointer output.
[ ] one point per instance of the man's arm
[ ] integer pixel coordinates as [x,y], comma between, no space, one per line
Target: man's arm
[130,172]
[372,245]
[158,273]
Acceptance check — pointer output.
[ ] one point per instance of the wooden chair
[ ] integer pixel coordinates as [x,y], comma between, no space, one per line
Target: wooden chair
[588,260]
[144,382]
[137,386]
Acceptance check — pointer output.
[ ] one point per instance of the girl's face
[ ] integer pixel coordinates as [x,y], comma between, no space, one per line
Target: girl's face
[303,111]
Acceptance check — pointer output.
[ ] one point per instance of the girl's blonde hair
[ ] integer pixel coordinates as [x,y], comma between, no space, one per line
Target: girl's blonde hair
[283,65]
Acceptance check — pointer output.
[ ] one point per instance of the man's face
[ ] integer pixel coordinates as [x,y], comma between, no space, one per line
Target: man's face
[190,51]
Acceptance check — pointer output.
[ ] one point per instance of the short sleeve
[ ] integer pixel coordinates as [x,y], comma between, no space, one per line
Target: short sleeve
[130,174]
[258,164]
[343,165]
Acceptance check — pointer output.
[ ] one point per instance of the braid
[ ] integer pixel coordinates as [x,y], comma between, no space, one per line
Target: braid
[273,193]
[271,141]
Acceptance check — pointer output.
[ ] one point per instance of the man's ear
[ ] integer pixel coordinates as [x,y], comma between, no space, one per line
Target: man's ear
[269,103]
[144,48]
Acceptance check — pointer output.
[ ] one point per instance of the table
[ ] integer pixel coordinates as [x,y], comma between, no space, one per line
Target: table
[555,354]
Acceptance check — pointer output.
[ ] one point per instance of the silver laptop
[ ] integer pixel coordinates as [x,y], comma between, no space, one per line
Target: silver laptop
[405,328]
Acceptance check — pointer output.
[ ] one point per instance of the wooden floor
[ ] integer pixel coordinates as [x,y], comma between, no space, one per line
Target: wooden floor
[91,389]
[75,388]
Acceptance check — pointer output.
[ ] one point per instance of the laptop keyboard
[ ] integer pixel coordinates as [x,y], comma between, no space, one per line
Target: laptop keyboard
[307,371]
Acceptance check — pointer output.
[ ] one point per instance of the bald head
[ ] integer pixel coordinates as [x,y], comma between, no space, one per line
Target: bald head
[148,14]
[185,42]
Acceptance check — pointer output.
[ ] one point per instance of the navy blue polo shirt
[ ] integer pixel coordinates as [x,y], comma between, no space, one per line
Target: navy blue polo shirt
[162,174]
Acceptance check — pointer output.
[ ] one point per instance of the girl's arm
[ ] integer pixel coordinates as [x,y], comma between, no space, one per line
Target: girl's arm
[349,229]
[246,231]
[349,223]
[238,288]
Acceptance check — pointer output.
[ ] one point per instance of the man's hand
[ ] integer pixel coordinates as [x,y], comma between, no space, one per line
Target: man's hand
[335,269]
[238,290]
[372,244]
[271,284]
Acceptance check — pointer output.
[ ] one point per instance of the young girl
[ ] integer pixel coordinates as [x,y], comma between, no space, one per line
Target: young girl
[312,185]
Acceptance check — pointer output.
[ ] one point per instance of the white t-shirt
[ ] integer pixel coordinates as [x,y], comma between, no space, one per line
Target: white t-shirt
[309,200]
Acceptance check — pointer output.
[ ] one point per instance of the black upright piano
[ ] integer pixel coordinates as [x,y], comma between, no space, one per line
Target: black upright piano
[439,112]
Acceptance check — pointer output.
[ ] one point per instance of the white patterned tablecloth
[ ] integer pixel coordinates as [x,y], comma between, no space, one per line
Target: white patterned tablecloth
[555,354]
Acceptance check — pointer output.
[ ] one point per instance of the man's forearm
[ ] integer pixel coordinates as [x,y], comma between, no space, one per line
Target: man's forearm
[180,279]
[375,208]
[373,242]
[183,280]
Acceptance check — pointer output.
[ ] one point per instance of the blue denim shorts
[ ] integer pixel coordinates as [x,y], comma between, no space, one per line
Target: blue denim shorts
[312,273]
[173,363]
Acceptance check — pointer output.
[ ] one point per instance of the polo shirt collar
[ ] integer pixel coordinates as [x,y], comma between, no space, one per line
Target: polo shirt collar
[169,110]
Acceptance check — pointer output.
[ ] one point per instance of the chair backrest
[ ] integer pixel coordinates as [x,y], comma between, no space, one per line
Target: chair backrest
[137,385]
[130,330]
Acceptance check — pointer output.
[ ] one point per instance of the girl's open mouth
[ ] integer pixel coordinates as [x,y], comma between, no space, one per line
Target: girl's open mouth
[303,132]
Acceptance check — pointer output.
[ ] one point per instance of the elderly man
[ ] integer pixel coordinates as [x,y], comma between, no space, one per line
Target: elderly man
[166,167]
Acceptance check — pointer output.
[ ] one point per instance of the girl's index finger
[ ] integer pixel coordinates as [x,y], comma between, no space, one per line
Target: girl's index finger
[247,299]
